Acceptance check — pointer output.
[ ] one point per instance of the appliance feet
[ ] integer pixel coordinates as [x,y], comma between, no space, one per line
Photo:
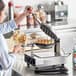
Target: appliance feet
[52,70]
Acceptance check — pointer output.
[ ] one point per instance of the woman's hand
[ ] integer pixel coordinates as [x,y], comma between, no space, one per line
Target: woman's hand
[17,49]
[20,17]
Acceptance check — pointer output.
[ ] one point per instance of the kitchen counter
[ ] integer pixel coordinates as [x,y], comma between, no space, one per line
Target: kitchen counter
[71,24]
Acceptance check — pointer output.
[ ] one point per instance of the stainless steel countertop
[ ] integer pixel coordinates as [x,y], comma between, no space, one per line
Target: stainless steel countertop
[71,24]
[68,27]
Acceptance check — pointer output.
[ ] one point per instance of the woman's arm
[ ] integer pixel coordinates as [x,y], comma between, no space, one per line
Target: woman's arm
[12,24]
[7,27]
[20,17]
[6,60]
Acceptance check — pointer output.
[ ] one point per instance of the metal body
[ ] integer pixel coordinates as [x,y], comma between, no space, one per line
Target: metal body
[59,13]
[45,58]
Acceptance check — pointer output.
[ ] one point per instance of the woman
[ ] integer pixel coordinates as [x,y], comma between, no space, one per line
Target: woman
[6,59]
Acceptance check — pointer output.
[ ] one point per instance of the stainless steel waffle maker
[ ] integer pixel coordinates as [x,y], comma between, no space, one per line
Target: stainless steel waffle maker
[50,64]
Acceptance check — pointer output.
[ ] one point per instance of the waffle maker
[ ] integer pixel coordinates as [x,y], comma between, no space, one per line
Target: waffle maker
[55,64]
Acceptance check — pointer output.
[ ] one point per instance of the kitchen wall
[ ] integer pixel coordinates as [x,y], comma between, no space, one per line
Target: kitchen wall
[72,8]
[31,2]
[71,5]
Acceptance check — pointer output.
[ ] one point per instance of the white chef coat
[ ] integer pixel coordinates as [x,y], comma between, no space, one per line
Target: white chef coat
[6,59]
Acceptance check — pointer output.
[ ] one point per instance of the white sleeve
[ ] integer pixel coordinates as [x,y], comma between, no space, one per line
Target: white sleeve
[6,60]
[7,27]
